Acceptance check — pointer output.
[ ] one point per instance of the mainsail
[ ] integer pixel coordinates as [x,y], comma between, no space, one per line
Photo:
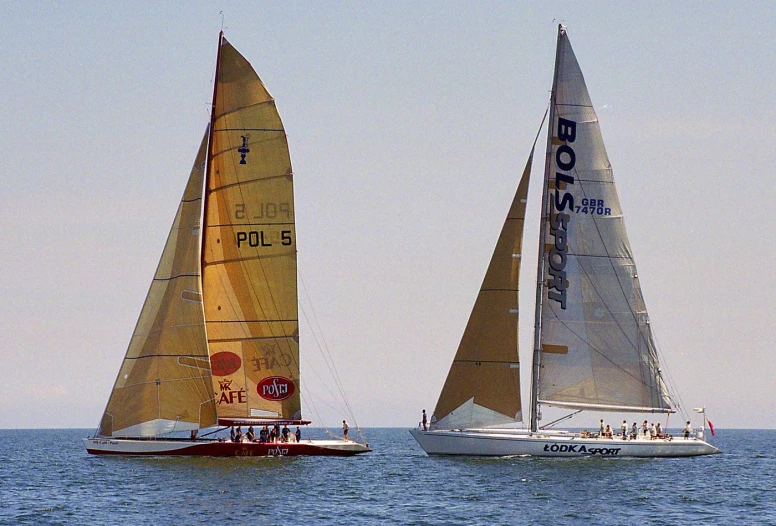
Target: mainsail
[595,349]
[249,250]
[483,385]
[164,383]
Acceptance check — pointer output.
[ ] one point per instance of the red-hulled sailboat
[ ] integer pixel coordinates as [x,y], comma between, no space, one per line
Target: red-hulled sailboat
[217,341]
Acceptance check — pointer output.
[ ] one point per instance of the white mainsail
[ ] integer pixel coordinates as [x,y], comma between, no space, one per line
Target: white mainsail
[595,348]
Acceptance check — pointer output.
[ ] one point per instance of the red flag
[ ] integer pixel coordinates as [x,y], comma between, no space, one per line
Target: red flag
[711,427]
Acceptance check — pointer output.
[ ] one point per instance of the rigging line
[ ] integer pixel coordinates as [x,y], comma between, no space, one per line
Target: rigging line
[673,389]
[640,335]
[314,409]
[610,258]
[603,302]
[580,338]
[334,372]
[360,433]
[333,367]
[315,338]
[323,401]
[323,382]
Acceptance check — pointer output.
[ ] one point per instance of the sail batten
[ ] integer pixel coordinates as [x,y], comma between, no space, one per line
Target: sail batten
[607,408]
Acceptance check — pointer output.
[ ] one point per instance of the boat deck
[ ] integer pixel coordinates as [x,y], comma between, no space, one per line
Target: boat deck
[216,448]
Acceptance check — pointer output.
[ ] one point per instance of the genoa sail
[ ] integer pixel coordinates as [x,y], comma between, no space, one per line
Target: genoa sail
[483,385]
[596,349]
[249,277]
[164,384]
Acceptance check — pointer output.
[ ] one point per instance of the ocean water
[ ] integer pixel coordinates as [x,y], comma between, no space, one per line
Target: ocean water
[46,477]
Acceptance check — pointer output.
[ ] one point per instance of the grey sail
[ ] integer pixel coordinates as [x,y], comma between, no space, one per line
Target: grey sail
[595,348]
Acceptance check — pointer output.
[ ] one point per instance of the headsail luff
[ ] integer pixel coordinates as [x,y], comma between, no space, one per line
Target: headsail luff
[249,250]
[483,385]
[164,383]
[597,349]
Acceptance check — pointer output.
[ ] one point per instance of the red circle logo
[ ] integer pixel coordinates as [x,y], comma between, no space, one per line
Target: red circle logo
[224,363]
[275,388]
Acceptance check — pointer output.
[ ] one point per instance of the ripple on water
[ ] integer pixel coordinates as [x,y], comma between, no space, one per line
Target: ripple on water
[47,478]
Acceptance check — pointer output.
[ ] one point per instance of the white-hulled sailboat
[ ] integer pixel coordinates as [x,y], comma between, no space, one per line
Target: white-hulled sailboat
[217,341]
[593,345]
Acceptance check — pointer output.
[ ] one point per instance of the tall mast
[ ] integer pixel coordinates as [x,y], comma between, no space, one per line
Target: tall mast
[542,252]
[206,185]
[208,159]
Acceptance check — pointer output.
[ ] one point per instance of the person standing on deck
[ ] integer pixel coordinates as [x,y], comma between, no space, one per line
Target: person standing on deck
[424,421]
[687,430]
[601,428]
[634,431]
[624,429]
[345,429]
[298,434]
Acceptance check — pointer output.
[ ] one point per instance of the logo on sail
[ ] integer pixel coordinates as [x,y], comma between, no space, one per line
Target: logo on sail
[271,357]
[565,158]
[225,363]
[275,388]
[244,149]
[229,396]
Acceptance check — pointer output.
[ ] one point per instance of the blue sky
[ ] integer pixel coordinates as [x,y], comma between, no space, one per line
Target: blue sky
[409,125]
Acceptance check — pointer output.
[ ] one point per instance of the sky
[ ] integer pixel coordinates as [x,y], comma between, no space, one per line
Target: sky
[409,124]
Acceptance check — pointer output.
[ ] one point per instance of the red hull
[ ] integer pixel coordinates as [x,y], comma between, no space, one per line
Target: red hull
[222,449]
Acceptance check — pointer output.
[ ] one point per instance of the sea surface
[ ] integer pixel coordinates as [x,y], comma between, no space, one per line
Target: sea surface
[46,477]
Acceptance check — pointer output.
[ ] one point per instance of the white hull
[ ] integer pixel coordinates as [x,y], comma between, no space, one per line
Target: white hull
[214,448]
[498,443]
